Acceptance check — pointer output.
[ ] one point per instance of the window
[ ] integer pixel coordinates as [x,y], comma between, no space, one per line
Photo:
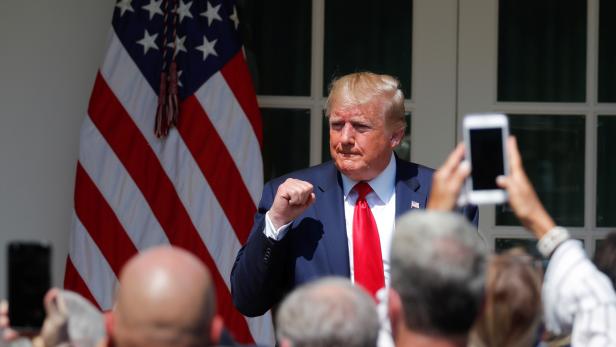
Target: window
[295,48]
[284,132]
[556,73]
[552,148]
[606,172]
[607,52]
[542,50]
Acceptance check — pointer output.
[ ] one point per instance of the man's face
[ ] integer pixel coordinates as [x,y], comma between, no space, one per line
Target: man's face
[361,140]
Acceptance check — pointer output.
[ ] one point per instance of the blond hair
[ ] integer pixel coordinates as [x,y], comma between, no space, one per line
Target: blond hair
[361,88]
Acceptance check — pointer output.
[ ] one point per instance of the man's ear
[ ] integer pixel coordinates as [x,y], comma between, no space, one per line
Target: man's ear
[394,309]
[216,329]
[285,343]
[396,137]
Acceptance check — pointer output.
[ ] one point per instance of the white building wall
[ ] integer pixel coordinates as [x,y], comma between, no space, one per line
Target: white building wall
[49,55]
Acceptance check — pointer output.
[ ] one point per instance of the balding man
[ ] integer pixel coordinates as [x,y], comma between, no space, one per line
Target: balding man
[166,298]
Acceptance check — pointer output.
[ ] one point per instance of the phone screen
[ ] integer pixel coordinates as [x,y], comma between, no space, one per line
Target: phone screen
[29,280]
[486,157]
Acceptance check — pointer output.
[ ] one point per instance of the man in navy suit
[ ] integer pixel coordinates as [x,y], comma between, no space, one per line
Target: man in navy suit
[304,226]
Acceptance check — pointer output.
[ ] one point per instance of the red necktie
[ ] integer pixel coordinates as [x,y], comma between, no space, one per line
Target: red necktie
[367,256]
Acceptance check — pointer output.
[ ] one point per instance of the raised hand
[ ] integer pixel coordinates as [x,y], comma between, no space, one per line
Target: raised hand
[292,198]
[448,180]
[522,197]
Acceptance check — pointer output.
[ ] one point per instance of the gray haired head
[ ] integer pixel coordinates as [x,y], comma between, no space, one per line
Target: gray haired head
[86,324]
[438,267]
[328,312]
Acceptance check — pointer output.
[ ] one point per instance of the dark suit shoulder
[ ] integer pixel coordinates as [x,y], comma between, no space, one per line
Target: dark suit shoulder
[406,169]
[408,164]
[425,171]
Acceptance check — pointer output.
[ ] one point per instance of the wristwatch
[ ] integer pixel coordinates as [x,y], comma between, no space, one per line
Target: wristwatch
[552,239]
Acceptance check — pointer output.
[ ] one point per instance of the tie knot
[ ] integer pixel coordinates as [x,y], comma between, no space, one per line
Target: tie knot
[362,189]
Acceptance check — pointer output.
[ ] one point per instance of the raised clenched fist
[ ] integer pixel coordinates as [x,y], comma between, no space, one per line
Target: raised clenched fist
[292,198]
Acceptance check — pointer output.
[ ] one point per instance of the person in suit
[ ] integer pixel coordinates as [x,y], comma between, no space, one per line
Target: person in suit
[337,218]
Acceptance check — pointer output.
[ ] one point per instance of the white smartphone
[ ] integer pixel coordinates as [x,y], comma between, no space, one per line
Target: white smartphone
[485,139]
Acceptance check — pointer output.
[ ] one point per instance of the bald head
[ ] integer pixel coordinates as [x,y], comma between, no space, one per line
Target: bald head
[166,298]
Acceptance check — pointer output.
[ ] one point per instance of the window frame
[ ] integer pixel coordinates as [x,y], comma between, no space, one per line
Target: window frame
[480,17]
[315,102]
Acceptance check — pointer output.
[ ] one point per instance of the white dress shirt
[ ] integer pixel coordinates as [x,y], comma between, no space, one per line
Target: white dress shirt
[578,298]
[382,202]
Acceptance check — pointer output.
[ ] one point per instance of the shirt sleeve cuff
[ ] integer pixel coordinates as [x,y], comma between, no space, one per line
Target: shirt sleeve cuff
[273,233]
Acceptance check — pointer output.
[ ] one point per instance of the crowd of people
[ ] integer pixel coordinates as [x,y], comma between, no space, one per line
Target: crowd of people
[366,250]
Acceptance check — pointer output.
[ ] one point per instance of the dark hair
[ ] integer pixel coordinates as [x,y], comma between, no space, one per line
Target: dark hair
[605,257]
[437,268]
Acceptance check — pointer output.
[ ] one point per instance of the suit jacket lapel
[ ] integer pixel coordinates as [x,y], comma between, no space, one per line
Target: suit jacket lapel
[408,195]
[330,210]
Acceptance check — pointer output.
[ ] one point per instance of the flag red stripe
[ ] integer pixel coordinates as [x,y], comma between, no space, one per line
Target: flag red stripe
[217,165]
[141,163]
[74,282]
[238,77]
[101,222]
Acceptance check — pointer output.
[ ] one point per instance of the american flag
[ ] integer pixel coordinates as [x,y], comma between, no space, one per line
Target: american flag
[196,188]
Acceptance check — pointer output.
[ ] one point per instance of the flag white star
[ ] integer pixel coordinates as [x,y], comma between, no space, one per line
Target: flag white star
[234,18]
[184,10]
[124,5]
[148,41]
[179,45]
[153,8]
[212,13]
[207,47]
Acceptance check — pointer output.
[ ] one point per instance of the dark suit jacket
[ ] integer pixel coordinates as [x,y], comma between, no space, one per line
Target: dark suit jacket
[316,243]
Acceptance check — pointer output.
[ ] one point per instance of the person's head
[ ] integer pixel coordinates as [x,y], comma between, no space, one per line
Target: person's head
[605,257]
[166,298]
[366,122]
[329,312]
[437,276]
[512,310]
[70,319]
[86,324]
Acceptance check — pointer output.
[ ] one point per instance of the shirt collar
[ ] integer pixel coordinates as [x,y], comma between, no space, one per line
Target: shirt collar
[382,185]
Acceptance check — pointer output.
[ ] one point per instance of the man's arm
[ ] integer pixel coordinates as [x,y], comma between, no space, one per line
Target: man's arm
[257,273]
[577,297]
[260,276]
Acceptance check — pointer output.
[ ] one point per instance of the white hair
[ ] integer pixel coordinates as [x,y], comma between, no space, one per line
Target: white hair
[86,324]
[329,312]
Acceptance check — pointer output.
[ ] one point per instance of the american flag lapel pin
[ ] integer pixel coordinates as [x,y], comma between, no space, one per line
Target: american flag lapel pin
[414,204]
